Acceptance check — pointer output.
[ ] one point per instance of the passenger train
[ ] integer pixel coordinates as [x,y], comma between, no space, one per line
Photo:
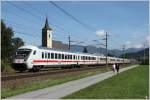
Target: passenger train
[34,58]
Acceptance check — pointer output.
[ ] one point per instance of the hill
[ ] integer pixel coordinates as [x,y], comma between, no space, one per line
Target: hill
[138,55]
[92,49]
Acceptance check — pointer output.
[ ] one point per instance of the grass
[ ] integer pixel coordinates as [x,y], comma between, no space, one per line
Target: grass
[133,84]
[12,90]
[6,67]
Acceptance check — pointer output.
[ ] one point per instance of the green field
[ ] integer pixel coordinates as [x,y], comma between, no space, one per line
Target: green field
[131,84]
[30,85]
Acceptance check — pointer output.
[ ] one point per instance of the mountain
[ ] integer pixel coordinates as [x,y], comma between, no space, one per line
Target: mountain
[116,52]
[137,55]
[93,49]
[59,45]
[129,50]
[90,49]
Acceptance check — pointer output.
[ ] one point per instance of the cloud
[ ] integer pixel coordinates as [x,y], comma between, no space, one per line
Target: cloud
[127,42]
[138,46]
[129,45]
[100,33]
[148,38]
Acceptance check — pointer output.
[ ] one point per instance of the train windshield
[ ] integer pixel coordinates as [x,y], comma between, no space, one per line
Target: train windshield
[22,53]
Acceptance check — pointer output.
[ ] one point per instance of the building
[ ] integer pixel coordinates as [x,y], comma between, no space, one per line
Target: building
[47,35]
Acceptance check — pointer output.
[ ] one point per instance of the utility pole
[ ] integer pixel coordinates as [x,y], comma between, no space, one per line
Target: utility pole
[123,50]
[106,46]
[106,50]
[144,53]
[69,42]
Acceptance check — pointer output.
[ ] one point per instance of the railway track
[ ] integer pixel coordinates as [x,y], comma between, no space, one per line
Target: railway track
[51,72]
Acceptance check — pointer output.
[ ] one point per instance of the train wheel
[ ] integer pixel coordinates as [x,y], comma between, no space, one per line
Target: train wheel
[21,70]
[36,68]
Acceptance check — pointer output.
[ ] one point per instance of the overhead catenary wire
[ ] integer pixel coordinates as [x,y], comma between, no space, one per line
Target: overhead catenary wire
[33,15]
[37,17]
[19,16]
[72,17]
[56,25]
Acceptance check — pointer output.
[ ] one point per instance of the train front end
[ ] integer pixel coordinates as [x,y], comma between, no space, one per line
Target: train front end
[20,58]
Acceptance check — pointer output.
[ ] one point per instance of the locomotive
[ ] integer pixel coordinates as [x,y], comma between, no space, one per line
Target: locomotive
[34,58]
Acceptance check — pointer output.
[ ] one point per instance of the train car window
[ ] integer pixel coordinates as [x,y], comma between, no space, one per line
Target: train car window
[52,55]
[45,55]
[34,52]
[74,57]
[48,55]
[65,56]
[68,56]
[55,55]
[42,54]
[62,56]
[59,56]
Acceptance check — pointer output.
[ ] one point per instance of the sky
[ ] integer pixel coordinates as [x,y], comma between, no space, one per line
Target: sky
[126,22]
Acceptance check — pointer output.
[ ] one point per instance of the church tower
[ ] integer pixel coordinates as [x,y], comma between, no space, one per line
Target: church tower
[46,35]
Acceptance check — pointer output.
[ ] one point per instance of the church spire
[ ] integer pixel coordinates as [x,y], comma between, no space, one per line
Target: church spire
[47,25]
[47,35]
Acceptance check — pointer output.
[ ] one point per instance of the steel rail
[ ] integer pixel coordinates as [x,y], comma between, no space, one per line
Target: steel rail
[20,76]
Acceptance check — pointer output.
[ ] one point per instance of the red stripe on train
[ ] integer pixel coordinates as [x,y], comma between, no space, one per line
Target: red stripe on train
[60,61]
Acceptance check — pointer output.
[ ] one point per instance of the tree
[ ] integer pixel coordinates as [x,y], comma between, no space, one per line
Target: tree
[17,42]
[110,54]
[85,50]
[8,43]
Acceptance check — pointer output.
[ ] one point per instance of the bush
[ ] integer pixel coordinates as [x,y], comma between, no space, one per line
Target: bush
[146,62]
[6,66]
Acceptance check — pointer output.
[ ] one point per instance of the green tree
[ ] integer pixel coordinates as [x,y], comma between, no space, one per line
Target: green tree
[85,50]
[8,43]
[17,42]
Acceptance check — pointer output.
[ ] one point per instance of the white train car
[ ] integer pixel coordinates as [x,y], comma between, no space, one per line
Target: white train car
[34,58]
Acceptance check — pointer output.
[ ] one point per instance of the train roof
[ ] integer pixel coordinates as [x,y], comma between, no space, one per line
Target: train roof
[54,49]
